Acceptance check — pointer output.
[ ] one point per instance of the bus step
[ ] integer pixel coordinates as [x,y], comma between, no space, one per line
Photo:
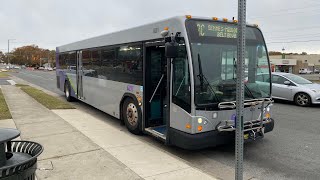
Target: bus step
[158,131]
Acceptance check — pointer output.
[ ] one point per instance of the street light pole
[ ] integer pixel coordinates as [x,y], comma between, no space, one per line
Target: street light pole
[9,50]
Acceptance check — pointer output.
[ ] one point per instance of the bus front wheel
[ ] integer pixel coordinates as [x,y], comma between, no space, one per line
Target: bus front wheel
[131,114]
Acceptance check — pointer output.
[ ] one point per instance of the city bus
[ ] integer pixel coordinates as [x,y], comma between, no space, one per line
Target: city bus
[174,79]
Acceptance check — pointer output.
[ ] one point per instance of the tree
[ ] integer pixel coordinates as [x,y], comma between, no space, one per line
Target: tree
[274,53]
[2,56]
[303,53]
[31,55]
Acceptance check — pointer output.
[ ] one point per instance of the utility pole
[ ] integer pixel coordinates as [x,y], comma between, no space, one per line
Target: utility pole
[240,88]
[9,50]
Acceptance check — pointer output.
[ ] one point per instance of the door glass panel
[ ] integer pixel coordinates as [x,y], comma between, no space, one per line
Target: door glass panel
[86,62]
[181,81]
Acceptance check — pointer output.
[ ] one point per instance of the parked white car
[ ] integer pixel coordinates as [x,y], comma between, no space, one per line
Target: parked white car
[304,71]
[49,68]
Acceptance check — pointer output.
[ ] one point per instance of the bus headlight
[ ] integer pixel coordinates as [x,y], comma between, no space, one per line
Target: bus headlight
[199,120]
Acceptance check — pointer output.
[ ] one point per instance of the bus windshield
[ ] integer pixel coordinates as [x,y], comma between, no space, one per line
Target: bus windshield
[214,55]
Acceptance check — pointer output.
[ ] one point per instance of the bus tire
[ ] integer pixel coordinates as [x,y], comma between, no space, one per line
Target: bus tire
[132,116]
[67,91]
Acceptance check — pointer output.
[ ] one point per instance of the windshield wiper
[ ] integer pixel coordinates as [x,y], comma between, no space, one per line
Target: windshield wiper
[235,66]
[202,77]
[248,90]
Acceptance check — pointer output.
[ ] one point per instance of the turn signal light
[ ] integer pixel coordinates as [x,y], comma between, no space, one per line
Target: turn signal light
[199,128]
[188,16]
[166,28]
[268,115]
[188,126]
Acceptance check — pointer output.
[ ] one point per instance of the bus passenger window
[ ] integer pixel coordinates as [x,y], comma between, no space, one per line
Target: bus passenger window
[107,59]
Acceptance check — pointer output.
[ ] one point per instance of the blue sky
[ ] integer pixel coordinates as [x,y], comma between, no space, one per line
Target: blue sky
[291,24]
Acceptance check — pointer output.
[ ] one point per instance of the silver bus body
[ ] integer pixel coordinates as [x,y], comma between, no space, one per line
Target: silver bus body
[198,128]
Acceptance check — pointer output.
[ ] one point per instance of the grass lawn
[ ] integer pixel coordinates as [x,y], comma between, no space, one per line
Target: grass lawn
[45,99]
[3,75]
[21,85]
[4,110]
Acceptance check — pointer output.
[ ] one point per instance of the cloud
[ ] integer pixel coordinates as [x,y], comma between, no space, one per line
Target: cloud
[51,23]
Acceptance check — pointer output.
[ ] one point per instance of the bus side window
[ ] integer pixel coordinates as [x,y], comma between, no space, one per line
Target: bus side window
[108,57]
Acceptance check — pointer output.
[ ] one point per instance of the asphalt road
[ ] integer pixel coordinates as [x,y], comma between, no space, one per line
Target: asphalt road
[291,151]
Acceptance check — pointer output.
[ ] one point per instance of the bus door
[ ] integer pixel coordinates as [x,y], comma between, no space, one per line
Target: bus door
[79,75]
[155,87]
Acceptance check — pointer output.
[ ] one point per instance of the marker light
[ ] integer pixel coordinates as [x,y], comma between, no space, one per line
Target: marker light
[225,19]
[166,28]
[188,126]
[268,115]
[215,18]
[188,16]
[235,21]
[199,128]
[199,120]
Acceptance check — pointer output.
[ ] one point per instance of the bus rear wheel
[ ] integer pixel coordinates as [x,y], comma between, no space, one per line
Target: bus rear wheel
[67,92]
[131,114]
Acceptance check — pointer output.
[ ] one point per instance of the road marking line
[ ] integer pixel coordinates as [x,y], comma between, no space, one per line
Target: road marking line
[12,82]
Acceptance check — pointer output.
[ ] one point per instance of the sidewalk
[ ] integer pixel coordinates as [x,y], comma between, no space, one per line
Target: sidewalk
[80,146]
[68,154]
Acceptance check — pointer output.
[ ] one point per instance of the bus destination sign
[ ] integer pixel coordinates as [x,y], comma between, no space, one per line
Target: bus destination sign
[217,30]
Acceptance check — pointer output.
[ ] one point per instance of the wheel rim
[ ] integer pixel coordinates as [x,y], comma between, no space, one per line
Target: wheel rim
[132,114]
[302,99]
[67,91]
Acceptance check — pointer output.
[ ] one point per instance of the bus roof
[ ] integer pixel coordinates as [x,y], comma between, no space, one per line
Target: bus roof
[141,33]
[136,34]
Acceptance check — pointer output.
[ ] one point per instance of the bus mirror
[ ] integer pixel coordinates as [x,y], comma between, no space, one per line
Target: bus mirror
[171,49]
[260,52]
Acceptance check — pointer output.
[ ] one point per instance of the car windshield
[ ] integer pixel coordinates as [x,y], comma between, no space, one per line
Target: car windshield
[214,54]
[297,79]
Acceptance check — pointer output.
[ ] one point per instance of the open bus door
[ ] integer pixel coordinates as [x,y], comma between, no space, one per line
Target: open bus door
[156,89]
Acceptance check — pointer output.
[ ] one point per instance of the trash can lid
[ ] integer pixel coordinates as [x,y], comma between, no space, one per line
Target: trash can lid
[7,134]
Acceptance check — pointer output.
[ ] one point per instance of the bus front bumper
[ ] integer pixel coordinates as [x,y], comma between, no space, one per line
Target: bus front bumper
[211,138]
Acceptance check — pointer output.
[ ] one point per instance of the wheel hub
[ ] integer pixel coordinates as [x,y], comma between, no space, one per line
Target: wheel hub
[132,114]
[67,91]
[302,99]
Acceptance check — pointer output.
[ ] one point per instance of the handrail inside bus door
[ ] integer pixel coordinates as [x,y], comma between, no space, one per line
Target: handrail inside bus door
[156,88]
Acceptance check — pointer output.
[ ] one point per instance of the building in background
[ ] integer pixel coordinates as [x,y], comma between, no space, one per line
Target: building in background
[292,63]
[283,65]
